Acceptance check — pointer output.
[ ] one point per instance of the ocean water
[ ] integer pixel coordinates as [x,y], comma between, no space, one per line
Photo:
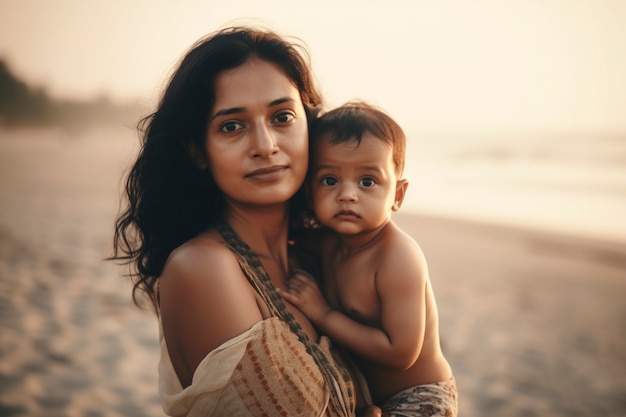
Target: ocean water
[572,183]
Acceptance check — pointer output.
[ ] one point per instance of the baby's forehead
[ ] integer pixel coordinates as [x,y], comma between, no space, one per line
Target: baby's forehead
[352,150]
[332,138]
[332,147]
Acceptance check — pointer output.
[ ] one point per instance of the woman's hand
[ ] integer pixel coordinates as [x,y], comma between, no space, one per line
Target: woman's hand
[304,293]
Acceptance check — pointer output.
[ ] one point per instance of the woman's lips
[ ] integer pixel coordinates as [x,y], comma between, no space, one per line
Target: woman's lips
[270,173]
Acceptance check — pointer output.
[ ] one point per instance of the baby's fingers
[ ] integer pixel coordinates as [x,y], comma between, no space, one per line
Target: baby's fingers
[289,296]
[302,276]
[295,285]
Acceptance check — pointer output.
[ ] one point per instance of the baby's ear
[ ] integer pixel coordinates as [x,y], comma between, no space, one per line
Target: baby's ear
[401,186]
[197,156]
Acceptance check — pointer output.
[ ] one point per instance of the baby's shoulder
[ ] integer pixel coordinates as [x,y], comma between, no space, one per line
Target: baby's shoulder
[399,251]
[397,241]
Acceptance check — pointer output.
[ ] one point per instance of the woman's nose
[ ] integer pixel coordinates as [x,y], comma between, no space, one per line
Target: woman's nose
[263,142]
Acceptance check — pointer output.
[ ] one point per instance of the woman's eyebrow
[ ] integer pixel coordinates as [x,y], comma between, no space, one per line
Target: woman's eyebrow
[281,101]
[233,110]
[226,112]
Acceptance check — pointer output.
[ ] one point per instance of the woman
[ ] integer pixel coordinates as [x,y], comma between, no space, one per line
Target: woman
[211,201]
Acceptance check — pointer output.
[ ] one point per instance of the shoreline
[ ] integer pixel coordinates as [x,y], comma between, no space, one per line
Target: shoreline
[574,244]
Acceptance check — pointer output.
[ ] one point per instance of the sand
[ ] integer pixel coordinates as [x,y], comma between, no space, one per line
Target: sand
[534,324]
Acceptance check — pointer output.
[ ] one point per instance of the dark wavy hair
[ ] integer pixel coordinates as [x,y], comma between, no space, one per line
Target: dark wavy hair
[168,199]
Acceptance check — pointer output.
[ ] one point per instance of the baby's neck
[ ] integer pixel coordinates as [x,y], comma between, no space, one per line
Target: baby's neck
[350,245]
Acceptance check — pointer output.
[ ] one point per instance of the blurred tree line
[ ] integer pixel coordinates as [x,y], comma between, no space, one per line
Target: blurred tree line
[22,105]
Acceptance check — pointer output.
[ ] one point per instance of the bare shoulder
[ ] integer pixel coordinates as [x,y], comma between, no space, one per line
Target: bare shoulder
[200,285]
[195,259]
[400,243]
[202,267]
[400,255]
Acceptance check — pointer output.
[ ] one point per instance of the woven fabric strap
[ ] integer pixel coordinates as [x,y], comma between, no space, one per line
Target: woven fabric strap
[336,376]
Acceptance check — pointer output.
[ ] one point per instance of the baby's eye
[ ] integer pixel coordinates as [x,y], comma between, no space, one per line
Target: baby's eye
[284,117]
[231,126]
[329,181]
[367,182]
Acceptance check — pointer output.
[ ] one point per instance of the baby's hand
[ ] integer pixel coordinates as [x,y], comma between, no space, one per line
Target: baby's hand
[303,292]
[371,411]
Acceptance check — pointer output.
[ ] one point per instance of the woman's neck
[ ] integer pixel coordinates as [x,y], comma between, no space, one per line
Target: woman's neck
[264,229]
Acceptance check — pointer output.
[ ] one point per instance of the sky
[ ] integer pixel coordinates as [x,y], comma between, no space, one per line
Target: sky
[556,65]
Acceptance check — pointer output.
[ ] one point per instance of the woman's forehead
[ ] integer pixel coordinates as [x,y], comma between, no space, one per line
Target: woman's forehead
[252,83]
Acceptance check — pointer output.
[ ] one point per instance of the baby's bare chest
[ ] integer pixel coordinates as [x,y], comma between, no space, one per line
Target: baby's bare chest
[351,287]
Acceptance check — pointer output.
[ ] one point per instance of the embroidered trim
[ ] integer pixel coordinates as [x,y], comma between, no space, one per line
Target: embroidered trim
[336,377]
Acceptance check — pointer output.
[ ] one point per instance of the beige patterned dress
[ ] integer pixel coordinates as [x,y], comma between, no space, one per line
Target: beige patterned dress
[273,369]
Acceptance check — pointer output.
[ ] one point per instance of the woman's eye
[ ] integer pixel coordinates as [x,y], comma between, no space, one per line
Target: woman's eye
[367,182]
[231,127]
[329,181]
[284,117]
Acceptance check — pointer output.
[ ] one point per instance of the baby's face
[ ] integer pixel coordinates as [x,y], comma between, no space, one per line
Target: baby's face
[353,185]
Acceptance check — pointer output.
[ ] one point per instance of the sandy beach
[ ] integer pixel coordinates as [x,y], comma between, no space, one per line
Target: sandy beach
[533,323]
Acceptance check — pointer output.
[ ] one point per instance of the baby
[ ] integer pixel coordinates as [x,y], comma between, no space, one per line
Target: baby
[378,301]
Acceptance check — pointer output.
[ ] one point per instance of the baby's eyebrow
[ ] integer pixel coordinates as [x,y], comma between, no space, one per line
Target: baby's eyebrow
[375,168]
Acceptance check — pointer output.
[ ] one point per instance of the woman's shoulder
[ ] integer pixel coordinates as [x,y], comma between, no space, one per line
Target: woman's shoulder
[199,286]
[198,259]
[208,246]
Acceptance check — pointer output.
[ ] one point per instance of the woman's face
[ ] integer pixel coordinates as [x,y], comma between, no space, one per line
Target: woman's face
[257,136]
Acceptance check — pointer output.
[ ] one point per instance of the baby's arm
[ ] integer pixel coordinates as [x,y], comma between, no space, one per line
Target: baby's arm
[401,286]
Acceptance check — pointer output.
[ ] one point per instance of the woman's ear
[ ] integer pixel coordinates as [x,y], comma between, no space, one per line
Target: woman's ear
[401,186]
[197,156]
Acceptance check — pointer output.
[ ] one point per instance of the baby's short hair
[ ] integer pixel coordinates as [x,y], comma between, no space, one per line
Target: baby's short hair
[350,121]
